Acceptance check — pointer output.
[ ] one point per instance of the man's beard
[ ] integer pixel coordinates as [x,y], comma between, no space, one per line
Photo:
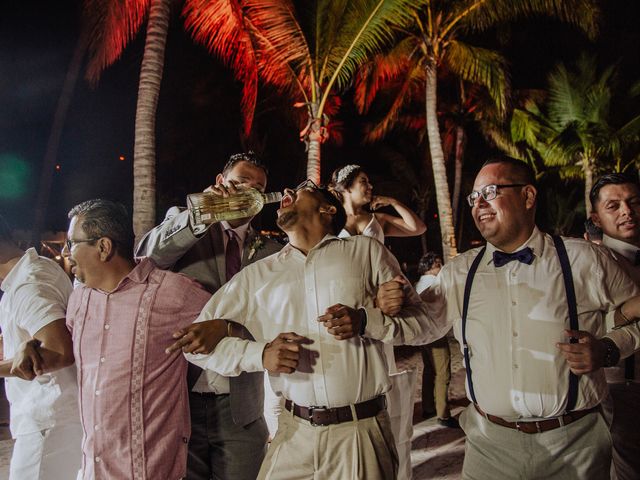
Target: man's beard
[287,220]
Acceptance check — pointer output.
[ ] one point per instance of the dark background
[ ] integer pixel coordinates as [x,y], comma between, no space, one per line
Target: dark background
[198,121]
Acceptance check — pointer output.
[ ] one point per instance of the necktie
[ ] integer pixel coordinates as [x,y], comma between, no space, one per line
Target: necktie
[502,258]
[232,255]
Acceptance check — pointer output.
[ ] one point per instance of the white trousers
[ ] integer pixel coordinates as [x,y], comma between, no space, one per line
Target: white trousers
[51,454]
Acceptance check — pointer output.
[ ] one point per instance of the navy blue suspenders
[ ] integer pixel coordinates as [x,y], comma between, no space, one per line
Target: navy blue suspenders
[571,302]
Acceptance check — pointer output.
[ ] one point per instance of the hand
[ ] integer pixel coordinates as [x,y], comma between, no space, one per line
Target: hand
[27,362]
[390,296]
[223,190]
[586,356]
[341,321]
[379,201]
[201,337]
[282,354]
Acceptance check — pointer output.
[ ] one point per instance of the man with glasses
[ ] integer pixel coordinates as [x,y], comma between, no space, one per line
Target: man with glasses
[44,418]
[310,309]
[133,396]
[517,307]
[229,435]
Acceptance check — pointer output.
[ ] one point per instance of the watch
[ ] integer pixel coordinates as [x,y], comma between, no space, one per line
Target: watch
[612,352]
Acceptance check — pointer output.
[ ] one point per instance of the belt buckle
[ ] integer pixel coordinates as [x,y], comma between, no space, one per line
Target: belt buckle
[312,411]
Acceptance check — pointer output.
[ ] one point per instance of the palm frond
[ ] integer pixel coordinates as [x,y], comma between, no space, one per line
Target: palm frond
[480,66]
[583,14]
[384,69]
[111,25]
[365,29]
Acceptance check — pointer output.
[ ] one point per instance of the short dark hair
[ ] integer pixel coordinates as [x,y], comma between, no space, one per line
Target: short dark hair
[522,172]
[426,262]
[248,157]
[592,230]
[342,178]
[5,231]
[104,218]
[338,219]
[611,179]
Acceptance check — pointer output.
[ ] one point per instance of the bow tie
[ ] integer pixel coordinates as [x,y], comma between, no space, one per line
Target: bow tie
[502,258]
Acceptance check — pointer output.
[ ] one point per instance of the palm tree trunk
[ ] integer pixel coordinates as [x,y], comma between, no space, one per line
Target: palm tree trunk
[51,153]
[314,139]
[457,179]
[443,197]
[587,165]
[144,151]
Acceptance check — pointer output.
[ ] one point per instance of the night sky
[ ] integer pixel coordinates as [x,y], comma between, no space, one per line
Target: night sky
[198,118]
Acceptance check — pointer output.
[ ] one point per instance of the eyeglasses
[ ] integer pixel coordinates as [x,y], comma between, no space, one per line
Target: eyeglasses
[308,183]
[70,243]
[489,192]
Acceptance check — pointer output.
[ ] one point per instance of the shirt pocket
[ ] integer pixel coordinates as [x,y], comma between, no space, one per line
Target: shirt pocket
[348,291]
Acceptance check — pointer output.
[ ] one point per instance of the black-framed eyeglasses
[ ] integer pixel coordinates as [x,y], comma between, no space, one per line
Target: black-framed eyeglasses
[489,192]
[308,183]
[70,243]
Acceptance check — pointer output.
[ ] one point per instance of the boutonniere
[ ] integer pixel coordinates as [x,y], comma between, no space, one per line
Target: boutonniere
[257,244]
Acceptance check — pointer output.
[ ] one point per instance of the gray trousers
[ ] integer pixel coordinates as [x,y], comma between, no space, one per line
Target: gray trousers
[219,449]
[578,451]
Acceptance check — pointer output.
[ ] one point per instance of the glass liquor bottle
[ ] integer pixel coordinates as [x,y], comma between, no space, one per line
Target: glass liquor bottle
[206,208]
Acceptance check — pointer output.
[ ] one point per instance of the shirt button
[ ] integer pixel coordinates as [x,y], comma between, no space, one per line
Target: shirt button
[102,359]
[106,327]
[515,365]
[96,427]
[515,334]
[97,392]
[513,274]
[98,459]
[514,303]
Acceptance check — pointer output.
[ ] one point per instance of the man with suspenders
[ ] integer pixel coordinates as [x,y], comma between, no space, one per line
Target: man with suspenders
[528,310]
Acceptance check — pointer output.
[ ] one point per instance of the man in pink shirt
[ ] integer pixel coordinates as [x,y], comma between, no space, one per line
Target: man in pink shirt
[133,396]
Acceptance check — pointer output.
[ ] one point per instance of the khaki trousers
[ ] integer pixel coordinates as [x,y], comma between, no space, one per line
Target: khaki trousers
[435,377]
[361,449]
[578,451]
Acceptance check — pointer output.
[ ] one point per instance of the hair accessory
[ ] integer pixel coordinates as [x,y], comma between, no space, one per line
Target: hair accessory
[344,172]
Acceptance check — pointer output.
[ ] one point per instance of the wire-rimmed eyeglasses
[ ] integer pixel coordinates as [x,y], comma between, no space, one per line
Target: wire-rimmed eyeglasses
[489,192]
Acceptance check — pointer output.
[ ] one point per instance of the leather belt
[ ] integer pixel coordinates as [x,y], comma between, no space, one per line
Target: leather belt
[539,426]
[321,416]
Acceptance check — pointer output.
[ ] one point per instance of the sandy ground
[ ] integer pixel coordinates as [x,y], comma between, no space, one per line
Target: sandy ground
[436,453]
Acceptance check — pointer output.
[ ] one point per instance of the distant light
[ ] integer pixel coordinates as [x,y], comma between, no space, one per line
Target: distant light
[435,215]
[58,257]
[121,158]
[58,167]
[15,174]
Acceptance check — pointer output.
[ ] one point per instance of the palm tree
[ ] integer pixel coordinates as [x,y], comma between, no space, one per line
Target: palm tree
[579,109]
[309,54]
[436,43]
[113,24]
[575,131]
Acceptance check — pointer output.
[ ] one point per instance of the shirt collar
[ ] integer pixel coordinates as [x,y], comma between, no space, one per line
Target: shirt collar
[535,243]
[140,273]
[289,249]
[14,275]
[625,249]
[241,231]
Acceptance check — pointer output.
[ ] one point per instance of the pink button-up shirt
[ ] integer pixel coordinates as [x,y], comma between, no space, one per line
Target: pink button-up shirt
[133,396]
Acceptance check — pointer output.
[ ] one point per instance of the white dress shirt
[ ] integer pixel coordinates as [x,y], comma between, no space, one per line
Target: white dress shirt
[210,381]
[516,315]
[425,282]
[625,254]
[36,292]
[288,291]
